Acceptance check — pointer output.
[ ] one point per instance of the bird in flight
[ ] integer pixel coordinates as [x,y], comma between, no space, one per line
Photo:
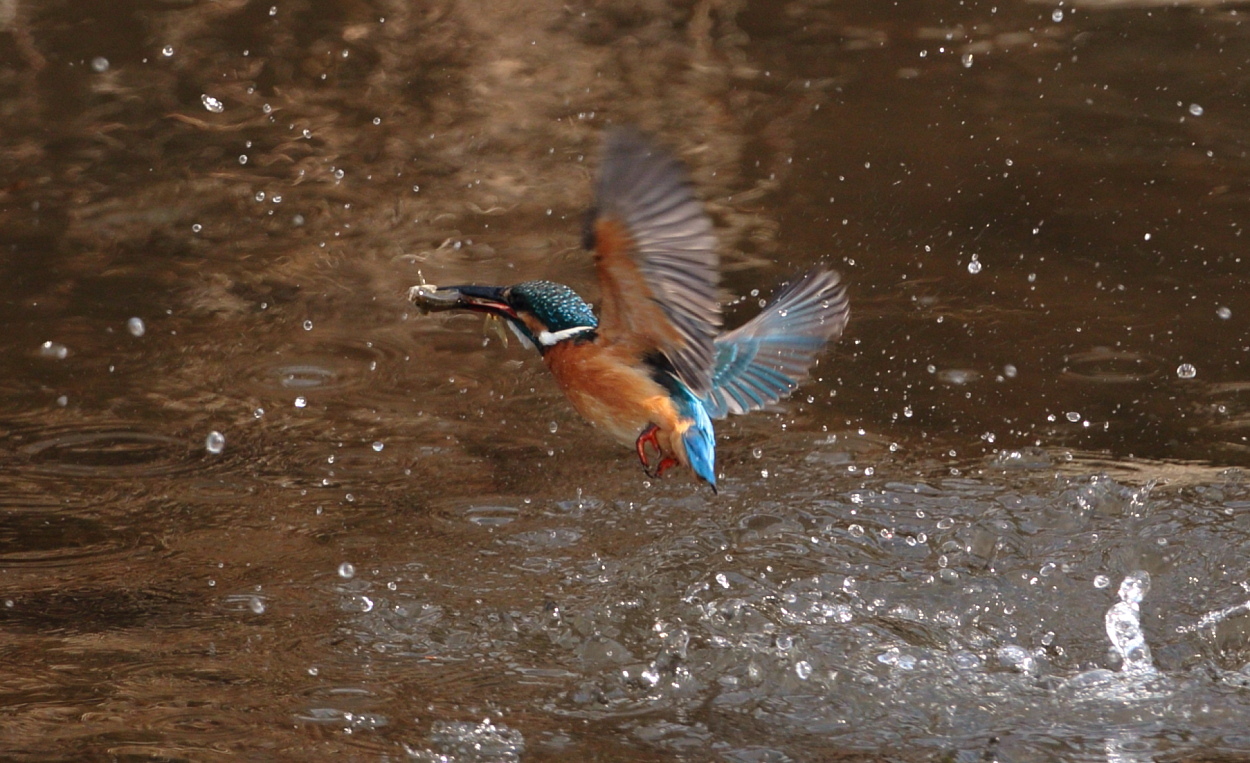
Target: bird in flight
[653,368]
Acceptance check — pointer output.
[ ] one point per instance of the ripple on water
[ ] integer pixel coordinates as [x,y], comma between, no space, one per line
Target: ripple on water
[1103,365]
[96,609]
[338,363]
[36,539]
[107,450]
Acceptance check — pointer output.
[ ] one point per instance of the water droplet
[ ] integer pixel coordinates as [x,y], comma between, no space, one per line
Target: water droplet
[1017,657]
[347,570]
[1186,371]
[856,531]
[54,350]
[100,64]
[1010,371]
[1224,312]
[308,325]
[338,174]
[242,158]
[215,442]
[803,669]
[553,427]
[757,452]
[974,267]
[1101,581]
[259,412]
[167,51]
[260,196]
[377,120]
[378,446]
[1073,416]
[313,671]
[135,327]
[211,103]
[1057,15]
[1195,109]
[1134,587]
[300,402]
[256,605]
[966,60]
[273,10]
[62,401]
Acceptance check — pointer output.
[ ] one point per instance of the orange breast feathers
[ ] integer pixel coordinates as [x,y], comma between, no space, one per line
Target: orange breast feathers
[611,391]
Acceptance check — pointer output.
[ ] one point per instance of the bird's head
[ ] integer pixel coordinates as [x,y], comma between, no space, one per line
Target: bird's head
[541,313]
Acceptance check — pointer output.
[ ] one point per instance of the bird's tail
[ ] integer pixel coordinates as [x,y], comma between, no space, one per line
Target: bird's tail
[699,439]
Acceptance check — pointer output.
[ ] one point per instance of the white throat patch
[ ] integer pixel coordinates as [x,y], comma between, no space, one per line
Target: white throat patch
[550,338]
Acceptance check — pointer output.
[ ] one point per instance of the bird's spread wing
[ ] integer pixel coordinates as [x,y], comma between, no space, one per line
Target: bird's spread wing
[764,360]
[656,258]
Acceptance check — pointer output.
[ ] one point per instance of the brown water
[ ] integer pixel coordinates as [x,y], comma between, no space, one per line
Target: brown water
[409,547]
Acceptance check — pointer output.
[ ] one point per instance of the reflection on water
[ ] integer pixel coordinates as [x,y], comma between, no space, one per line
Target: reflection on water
[251,506]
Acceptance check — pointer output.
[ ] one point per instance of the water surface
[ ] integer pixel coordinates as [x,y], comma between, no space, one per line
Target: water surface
[1006,519]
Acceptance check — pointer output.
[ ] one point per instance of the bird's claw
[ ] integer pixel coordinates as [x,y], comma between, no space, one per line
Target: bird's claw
[649,437]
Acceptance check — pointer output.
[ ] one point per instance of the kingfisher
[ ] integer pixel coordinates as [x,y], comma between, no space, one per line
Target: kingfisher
[653,368]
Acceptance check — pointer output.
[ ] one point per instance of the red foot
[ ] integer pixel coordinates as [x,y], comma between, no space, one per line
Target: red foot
[649,436]
[667,463]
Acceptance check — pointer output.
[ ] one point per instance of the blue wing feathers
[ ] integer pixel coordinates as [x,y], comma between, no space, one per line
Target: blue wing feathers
[764,360]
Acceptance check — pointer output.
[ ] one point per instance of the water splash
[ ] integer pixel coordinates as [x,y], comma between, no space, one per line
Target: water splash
[1124,630]
[462,741]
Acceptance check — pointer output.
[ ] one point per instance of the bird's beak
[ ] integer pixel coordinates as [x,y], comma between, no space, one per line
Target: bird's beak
[482,299]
